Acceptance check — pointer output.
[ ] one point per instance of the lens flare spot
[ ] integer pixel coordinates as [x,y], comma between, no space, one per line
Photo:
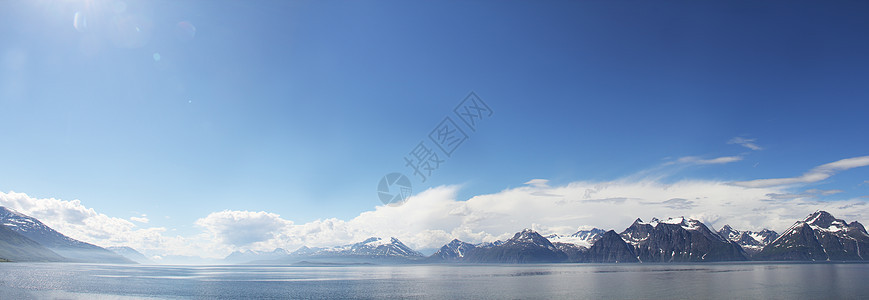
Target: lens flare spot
[185,30]
[79,21]
[130,31]
[156,56]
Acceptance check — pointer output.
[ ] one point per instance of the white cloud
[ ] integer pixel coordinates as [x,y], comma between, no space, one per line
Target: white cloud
[538,182]
[141,219]
[718,160]
[435,216]
[816,174]
[747,143]
[810,193]
[824,192]
[242,228]
[75,220]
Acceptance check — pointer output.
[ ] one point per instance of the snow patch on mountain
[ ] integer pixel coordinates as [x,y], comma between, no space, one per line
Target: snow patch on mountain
[582,238]
[373,246]
[555,238]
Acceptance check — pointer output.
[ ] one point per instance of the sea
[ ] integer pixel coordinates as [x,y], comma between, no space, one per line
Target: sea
[527,281]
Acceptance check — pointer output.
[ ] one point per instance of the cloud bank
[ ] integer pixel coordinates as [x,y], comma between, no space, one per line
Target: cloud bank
[435,216]
[242,228]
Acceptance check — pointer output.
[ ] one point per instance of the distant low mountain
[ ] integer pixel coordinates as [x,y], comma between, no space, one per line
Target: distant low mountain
[186,260]
[16,247]
[250,256]
[131,254]
[751,242]
[679,240]
[820,237]
[72,249]
[371,250]
[373,246]
[526,246]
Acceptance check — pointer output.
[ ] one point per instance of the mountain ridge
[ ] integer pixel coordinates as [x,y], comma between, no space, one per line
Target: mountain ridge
[71,249]
[16,247]
[751,242]
[679,240]
[820,237]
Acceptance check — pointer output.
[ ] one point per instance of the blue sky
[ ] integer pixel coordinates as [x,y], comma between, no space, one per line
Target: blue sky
[299,108]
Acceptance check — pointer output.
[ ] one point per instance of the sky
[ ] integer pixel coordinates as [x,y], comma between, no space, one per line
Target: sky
[204,127]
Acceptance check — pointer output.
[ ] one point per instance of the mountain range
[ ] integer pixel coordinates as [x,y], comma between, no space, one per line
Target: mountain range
[679,240]
[819,237]
[371,250]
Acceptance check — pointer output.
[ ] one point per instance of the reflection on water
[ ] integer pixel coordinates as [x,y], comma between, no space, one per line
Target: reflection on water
[743,280]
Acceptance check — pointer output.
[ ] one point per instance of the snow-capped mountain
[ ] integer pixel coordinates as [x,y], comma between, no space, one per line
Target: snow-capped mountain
[820,237]
[528,237]
[576,245]
[490,244]
[16,247]
[455,250]
[30,226]
[526,246]
[591,235]
[639,231]
[574,252]
[751,242]
[679,240]
[70,248]
[373,246]
[582,238]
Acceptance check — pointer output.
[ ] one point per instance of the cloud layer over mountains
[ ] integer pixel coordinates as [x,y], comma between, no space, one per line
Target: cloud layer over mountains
[434,217]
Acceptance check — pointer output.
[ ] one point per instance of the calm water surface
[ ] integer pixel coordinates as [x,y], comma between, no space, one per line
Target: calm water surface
[560,281]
